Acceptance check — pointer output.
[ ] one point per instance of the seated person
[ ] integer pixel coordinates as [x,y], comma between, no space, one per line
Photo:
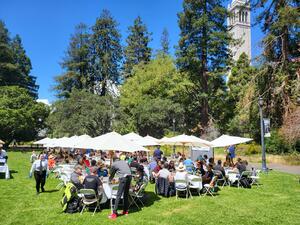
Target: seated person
[180,174]
[76,177]
[101,169]
[189,165]
[144,163]
[219,167]
[211,160]
[241,165]
[134,162]
[157,169]
[207,178]
[86,161]
[171,166]
[141,178]
[92,181]
[164,172]
[199,169]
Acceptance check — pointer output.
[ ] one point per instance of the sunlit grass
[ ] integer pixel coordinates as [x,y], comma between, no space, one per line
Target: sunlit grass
[276,201]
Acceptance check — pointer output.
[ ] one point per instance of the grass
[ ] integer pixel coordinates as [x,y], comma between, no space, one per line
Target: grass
[286,159]
[276,201]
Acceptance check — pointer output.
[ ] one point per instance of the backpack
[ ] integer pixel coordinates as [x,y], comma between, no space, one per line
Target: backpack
[245,182]
[70,200]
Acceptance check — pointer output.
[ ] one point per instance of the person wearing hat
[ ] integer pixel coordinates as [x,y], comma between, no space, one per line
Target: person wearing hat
[181,174]
[39,169]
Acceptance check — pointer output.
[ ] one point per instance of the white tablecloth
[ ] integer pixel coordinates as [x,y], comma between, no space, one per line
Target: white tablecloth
[5,169]
[232,176]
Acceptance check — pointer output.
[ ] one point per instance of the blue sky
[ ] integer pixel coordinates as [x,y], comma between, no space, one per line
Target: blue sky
[45,27]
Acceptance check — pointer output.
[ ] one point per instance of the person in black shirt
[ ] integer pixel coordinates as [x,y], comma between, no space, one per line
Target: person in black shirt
[219,167]
[207,178]
[92,181]
[135,163]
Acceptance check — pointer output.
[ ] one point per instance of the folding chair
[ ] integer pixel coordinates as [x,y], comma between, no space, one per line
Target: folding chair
[181,186]
[255,178]
[64,180]
[221,178]
[137,196]
[89,197]
[196,183]
[245,174]
[208,189]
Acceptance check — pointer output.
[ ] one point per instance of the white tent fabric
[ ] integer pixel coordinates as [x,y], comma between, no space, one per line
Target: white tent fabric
[132,136]
[115,142]
[52,143]
[185,140]
[148,137]
[42,141]
[83,141]
[139,139]
[226,140]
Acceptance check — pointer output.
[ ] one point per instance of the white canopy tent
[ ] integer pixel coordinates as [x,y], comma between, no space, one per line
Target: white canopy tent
[226,140]
[133,137]
[148,137]
[42,141]
[115,142]
[185,140]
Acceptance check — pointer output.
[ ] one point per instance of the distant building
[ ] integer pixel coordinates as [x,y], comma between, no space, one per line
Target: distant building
[239,24]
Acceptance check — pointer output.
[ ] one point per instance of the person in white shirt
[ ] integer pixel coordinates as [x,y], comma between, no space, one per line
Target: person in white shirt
[3,153]
[164,172]
[181,174]
[39,169]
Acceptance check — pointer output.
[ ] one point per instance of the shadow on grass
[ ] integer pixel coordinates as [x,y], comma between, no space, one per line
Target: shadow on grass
[11,172]
[50,191]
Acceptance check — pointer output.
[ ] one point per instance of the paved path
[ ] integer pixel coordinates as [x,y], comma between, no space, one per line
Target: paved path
[279,167]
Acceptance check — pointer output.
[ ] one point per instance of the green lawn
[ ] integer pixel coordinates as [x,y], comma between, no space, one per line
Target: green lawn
[275,202]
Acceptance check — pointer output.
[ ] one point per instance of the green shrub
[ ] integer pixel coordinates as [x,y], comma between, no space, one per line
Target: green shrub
[253,149]
[277,145]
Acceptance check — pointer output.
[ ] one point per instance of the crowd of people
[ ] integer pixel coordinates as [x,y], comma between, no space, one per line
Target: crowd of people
[91,167]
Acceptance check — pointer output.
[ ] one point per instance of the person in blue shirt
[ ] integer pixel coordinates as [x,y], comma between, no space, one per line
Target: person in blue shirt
[158,153]
[189,165]
[231,152]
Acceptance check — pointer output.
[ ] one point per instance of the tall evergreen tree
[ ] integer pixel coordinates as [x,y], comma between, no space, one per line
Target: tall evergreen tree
[106,53]
[24,64]
[204,54]
[76,64]
[15,66]
[165,42]
[278,82]
[137,49]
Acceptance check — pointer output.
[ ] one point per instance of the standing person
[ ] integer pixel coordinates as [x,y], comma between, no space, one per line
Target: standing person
[122,169]
[3,153]
[33,157]
[231,152]
[158,153]
[39,168]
